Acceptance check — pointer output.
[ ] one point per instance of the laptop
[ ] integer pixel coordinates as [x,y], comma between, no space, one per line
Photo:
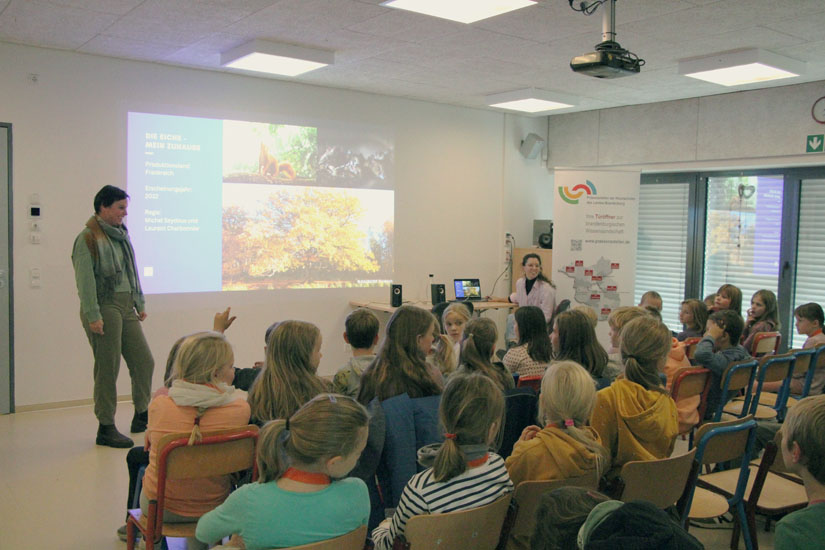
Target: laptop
[467,289]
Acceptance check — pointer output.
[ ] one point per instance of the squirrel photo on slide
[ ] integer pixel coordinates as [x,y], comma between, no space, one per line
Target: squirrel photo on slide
[269,166]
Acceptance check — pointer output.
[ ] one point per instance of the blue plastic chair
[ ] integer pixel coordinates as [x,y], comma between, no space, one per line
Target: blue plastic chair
[720,443]
[772,368]
[738,376]
[817,356]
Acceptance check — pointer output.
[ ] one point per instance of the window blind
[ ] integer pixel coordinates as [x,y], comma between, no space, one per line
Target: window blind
[810,254]
[662,246]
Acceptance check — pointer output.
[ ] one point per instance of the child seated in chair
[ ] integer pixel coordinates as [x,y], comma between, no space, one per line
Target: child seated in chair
[301,496]
[803,451]
[717,349]
[635,416]
[809,321]
[361,333]
[463,474]
[200,399]
[566,446]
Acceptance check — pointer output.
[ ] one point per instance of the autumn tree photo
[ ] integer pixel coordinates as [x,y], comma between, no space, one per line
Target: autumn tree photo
[302,237]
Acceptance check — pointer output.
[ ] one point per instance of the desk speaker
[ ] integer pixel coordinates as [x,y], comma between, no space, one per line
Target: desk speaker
[438,293]
[395,296]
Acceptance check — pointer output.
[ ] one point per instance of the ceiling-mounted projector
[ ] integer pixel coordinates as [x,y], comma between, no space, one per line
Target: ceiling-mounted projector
[609,60]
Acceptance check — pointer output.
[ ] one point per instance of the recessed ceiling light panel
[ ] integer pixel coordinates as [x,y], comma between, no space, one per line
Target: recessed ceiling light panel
[273,58]
[740,67]
[531,101]
[463,11]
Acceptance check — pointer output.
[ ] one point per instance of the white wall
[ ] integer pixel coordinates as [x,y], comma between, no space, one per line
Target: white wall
[453,167]
[756,128]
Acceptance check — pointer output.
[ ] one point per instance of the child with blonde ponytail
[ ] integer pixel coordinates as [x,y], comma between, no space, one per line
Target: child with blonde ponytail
[300,496]
[200,399]
[463,473]
[567,446]
[635,416]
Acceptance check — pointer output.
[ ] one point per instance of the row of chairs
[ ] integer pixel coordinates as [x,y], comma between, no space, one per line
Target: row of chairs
[509,524]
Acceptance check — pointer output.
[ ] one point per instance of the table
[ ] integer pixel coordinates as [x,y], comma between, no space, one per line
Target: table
[387,308]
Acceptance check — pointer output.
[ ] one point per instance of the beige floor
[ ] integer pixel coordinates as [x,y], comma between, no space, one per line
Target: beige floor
[59,490]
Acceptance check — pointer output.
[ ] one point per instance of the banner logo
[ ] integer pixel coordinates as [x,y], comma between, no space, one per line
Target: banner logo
[577,192]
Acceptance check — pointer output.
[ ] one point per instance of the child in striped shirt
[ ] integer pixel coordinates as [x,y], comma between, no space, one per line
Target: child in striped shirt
[464,474]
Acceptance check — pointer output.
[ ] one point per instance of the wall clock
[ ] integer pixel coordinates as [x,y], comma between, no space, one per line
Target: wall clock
[818,110]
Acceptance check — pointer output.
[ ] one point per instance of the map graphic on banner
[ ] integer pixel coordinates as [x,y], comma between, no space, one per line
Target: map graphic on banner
[594,254]
[595,285]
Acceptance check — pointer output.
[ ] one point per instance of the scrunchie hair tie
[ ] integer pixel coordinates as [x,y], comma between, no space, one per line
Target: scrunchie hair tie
[569,422]
[631,356]
[286,428]
[450,436]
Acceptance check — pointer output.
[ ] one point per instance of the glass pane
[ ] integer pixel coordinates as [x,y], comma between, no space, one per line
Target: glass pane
[810,254]
[662,246]
[742,238]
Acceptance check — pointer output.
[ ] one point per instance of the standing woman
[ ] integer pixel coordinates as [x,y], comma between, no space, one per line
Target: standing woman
[111,309]
[534,289]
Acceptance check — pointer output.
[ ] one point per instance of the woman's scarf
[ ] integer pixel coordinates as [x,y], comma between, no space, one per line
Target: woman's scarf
[105,238]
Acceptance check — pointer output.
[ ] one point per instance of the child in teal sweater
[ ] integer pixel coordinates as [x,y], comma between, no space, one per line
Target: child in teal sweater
[301,496]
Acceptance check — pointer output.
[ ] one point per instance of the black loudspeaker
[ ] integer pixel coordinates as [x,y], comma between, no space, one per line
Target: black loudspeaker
[395,296]
[438,294]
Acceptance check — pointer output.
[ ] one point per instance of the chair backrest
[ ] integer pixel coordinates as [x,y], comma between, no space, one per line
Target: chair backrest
[526,500]
[690,346]
[354,540]
[802,360]
[530,382]
[220,452]
[817,362]
[773,368]
[738,376]
[661,482]
[689,382]
[520,406]
[765,343]
[724,441]
[479,528]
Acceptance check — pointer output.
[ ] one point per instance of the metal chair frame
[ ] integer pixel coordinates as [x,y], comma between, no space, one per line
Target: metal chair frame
[737,500]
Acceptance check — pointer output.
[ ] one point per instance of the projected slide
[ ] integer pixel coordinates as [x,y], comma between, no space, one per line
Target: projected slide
[237,205]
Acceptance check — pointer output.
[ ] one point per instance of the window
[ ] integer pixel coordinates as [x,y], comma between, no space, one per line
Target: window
[754,229]
[662,246]
[742,234]
[810,255]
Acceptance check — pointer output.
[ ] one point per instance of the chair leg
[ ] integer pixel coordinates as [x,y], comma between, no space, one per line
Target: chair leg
[752,528]
[745,525]
[734,538]
[130,535]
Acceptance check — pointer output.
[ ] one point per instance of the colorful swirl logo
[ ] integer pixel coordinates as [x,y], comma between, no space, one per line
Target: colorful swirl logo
[573,196]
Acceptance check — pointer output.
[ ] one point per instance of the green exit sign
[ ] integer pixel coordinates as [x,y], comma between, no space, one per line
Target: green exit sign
[814,143]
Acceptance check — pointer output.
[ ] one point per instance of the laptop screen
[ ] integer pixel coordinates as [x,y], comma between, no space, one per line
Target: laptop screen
[467,289]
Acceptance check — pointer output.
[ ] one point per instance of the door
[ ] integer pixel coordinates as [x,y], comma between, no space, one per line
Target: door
[6,323]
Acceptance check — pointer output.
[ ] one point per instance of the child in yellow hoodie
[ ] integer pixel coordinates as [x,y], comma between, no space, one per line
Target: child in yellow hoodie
[635,416]
[566,446]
